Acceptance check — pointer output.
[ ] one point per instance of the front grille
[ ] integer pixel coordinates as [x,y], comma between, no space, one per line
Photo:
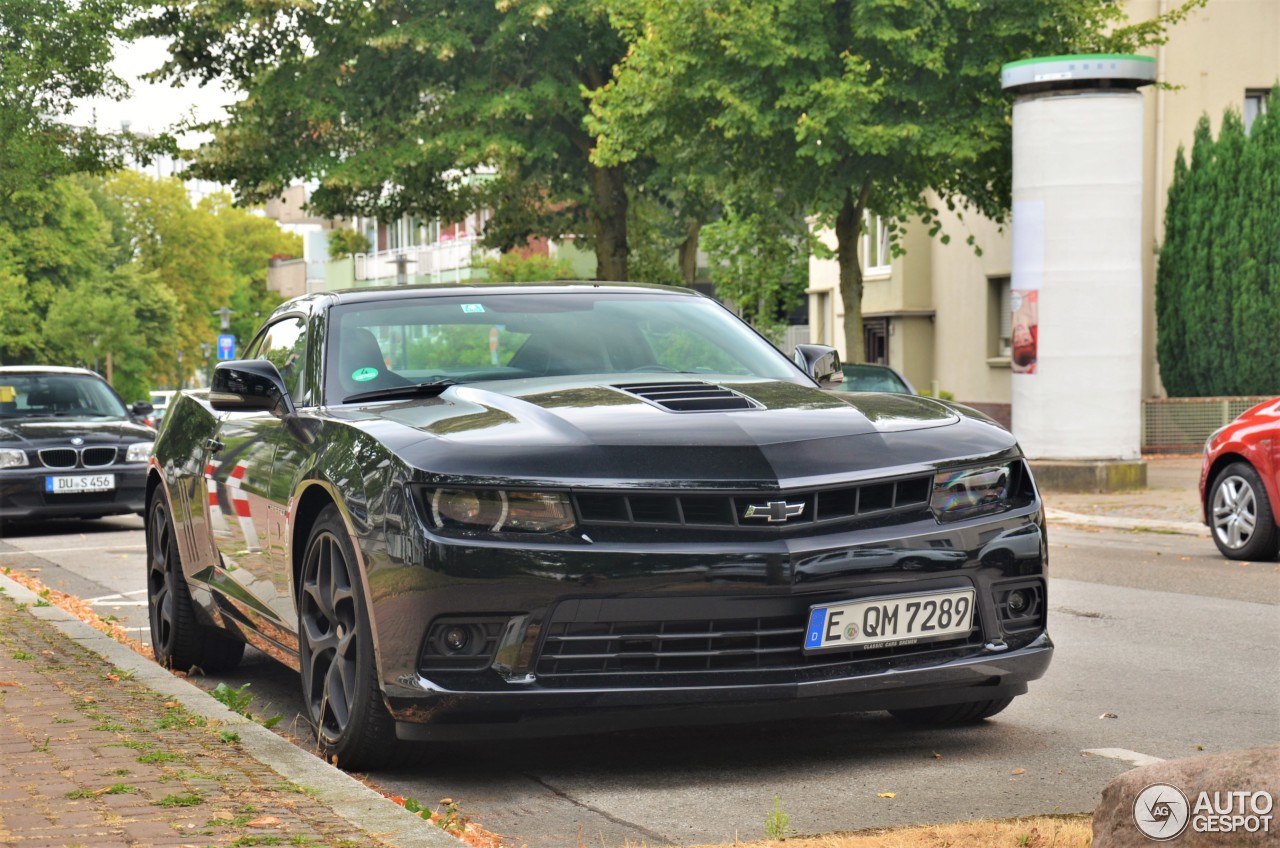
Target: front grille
[91,457]
[759,510]
[689,397]
[618,647]
[97,457]
[59,457]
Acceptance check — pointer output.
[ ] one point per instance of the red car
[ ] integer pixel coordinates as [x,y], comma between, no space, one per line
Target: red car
[1240,484]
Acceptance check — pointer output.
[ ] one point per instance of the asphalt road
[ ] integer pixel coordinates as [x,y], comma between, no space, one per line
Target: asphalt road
[1175,646]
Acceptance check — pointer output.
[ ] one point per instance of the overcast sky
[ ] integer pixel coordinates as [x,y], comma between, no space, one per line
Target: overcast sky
[153,107]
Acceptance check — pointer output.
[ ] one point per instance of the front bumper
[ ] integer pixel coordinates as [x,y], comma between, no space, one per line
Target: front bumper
[23,494]
[634,594]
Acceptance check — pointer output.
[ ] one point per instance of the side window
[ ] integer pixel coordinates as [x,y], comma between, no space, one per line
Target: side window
[285,346]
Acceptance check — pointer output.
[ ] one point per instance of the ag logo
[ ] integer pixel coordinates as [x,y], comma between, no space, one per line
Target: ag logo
[1161,812]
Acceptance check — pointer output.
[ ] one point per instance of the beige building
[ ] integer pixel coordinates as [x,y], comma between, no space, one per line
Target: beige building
[940,313]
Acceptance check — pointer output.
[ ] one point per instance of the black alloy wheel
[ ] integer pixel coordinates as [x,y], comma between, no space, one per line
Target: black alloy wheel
[339,679]
[178,639]
[1240,514]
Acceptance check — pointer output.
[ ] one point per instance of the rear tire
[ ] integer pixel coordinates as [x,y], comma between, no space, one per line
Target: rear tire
[1240,514]
[339,676]
[952,715]
[179,640]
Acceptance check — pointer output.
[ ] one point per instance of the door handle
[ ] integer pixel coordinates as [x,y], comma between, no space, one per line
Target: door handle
[213,445]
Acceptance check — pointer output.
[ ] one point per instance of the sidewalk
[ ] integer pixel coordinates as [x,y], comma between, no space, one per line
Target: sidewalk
[101,747]
[1169,504]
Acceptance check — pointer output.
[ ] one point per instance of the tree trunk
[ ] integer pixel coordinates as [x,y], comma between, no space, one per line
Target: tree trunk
[609,222]
[848,231]
[689,251]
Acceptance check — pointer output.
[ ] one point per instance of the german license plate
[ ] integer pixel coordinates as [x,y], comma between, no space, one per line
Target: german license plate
[888,622]
[70,483]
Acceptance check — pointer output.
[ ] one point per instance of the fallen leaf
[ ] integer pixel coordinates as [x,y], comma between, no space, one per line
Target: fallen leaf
[114,678]
[1018,771]
[264,821]
[886,794]
[1108,715]
[936,755]
[1199,747]
[168,705]
[9,683]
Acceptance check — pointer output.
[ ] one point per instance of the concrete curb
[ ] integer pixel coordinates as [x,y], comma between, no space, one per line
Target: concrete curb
[334,788]
[1186,528]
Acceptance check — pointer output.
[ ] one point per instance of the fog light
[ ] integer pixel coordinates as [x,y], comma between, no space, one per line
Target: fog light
[456,638]
[1017,602]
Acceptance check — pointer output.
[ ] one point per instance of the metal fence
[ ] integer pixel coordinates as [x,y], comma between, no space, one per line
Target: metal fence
[1181,425]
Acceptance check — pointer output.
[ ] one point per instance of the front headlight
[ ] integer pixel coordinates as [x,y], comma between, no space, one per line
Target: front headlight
[500,511]
[10,458]
[139,452]
[971,491]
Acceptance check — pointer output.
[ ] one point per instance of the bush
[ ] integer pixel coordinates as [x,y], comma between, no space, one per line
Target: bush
[343,242]
[514,268]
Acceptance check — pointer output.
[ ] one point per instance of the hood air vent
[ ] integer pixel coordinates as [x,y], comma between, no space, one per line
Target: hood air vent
[689,397]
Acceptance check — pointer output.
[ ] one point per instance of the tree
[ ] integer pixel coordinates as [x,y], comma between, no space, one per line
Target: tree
[251,241]
[846,107]
[1218,277]
[400,107]
[53,53]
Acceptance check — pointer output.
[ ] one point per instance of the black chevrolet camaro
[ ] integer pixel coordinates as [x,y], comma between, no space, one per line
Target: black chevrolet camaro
[486,510]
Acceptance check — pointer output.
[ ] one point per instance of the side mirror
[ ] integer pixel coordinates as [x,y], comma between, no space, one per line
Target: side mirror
[249,385]
[141,409]
[820,362]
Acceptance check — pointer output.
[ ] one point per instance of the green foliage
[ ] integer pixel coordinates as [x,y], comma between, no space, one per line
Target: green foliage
[1218,277]
[759,260]
[777,824]
[840,108]
[55,53]
[336,94]
[517,267]
[345,241]
[238,701]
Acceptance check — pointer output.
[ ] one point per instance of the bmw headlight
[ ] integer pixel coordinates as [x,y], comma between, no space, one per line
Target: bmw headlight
[499,511]
[10,458]
[139,452]
[967,492]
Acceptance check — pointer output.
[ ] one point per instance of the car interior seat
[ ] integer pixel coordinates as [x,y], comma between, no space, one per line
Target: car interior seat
[358,353]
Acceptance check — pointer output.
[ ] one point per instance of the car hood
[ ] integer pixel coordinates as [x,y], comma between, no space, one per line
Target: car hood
[603,433]
[94,431]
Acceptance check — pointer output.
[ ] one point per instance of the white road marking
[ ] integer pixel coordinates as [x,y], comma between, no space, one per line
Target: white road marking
[110,603]
[118,596]
[1124,755]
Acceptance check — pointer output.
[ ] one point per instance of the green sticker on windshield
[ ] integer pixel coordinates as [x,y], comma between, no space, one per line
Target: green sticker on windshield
[472,307]
[364,375]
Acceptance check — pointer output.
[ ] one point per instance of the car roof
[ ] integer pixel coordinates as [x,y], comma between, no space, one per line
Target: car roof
[377,293]
[47,369]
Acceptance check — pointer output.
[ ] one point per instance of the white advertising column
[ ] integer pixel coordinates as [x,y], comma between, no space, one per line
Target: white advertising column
[1077,265]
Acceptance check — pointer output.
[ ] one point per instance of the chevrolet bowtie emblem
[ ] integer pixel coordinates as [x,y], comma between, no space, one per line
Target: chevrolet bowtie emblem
[775,511]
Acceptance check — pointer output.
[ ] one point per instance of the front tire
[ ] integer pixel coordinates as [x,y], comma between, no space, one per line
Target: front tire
[178,639]
[339,677]
[1240,514]
[952,715]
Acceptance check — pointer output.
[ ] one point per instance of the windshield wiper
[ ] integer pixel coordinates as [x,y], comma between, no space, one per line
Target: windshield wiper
[430,389]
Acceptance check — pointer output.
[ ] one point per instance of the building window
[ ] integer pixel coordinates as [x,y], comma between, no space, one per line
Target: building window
[999,317]
[1255,104]
[876,258]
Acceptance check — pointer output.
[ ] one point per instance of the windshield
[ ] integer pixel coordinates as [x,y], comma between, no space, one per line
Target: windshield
[57,395]
[478,337]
